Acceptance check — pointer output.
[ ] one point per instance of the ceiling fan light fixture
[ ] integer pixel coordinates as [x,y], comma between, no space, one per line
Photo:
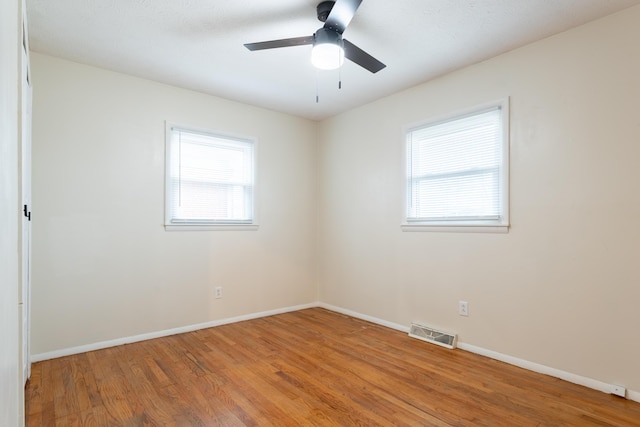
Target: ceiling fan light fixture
[328,49]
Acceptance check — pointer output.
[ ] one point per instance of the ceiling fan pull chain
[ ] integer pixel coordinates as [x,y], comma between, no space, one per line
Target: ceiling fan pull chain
[317,90]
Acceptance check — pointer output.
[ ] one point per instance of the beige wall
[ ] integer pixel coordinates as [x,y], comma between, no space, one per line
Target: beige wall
[104,267]
[562,287]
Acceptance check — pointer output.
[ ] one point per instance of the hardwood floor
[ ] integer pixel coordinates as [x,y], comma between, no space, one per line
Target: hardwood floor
[307,368]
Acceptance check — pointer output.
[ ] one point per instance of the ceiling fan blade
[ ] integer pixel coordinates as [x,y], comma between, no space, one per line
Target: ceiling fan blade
[341,14]
[362,58]
[272,44]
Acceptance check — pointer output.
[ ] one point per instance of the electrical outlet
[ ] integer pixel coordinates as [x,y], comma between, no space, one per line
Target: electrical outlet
[618,390]
[218,292]
[463,308]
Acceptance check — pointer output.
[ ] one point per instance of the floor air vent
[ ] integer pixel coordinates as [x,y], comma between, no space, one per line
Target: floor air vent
[427,333]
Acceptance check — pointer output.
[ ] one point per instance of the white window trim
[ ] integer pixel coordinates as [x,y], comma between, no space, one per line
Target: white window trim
[216,227]
[461,226]
[169,226]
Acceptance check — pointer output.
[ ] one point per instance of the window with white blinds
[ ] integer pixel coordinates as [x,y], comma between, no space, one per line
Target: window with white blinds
[210,179]
[457,170]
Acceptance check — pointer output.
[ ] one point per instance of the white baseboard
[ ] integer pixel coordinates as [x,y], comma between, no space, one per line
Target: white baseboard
[531,366]
[158,334]
[536,367]
[371,319]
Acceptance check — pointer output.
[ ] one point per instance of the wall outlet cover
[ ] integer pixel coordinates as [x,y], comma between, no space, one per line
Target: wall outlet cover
[618,390]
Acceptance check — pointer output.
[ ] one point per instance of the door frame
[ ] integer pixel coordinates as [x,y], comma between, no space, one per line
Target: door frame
[25,198]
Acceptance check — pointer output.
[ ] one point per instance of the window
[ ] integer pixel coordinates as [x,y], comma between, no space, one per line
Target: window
[210,180]
[457,172]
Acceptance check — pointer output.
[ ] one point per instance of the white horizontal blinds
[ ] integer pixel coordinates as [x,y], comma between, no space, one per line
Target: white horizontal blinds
[455,169]
[211,178]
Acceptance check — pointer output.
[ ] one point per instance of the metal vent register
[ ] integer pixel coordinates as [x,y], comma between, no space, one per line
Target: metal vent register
[434,336]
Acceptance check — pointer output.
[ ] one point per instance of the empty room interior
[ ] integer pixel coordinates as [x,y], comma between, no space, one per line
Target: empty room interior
[279,286]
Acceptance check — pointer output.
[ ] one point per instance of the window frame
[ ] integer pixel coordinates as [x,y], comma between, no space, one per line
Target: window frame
[499,225]
[205,225]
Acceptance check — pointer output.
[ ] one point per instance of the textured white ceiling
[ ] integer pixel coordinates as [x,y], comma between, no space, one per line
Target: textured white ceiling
[198,44]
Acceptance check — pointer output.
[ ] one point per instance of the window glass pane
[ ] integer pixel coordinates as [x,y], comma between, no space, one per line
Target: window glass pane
[465,196]
[211,179]
[455,167]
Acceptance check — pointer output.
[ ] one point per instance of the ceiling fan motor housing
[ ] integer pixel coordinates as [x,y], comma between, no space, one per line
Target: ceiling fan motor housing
[323,10]
[329,36]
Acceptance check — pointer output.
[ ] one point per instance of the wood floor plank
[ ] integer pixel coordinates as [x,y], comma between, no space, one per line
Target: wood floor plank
[143,397]
[33,394]
[306,368]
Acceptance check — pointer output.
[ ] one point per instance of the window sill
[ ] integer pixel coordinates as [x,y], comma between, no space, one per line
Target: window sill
[458,228]
[209,227]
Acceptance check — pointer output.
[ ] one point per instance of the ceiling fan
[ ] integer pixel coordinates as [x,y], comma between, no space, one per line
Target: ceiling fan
[329,48]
